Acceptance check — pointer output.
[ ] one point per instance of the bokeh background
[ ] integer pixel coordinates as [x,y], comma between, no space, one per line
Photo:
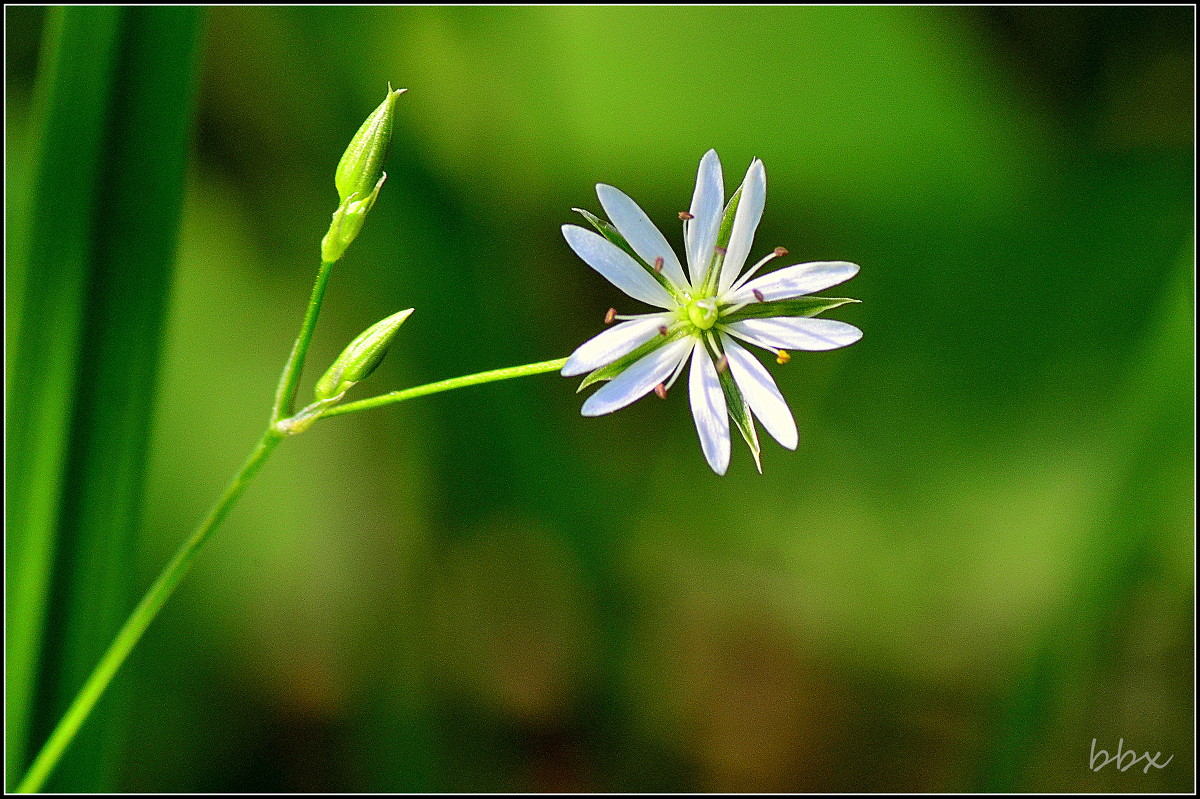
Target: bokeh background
[978,560]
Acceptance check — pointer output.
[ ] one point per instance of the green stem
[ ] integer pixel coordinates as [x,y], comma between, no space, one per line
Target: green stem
[285,394]
[139,620]
[447,385]
[174,571]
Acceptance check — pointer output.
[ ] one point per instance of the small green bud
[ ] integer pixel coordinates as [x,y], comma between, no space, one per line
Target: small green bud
[360,358]
[361,167]
[359,177]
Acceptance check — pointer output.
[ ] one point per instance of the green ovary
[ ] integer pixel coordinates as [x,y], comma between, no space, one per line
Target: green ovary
[703,313]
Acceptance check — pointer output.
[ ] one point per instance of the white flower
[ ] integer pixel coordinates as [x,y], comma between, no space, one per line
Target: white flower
[704,312]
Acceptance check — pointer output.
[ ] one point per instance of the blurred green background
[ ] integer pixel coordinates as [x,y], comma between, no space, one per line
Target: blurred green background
[978,560]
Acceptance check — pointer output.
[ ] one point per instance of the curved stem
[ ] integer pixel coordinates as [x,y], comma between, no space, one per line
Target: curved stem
[139,620]
[447,385]
[146,610]
[285,394]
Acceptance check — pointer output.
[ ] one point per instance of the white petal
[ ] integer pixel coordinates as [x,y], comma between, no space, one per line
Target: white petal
[709,410]
[797,333]
[708,201]
[795,281]
[613,343]
[645,239]
[761,393]
[637,381]
[745,222]
[621,270]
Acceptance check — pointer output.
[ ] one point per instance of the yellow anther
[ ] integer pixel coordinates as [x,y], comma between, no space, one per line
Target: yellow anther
[782,357]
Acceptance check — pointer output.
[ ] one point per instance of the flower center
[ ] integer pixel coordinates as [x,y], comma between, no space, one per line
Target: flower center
[703,313]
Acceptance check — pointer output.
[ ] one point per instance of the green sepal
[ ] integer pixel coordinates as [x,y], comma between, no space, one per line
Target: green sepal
[713,275]
[360,358]
[609,232]
[347,222]
[621,364]
[800,306]
[739,409]
[726,230]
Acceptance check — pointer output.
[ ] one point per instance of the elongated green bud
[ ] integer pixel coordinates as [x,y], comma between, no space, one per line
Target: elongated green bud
[360,358]
[359,177]
[361,166]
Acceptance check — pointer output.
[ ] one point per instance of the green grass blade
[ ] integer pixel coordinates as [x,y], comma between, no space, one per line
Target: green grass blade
[136,222]
[54,241]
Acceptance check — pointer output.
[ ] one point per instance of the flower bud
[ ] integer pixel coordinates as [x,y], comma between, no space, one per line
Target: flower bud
[361,167]
[359,177]
[360,358]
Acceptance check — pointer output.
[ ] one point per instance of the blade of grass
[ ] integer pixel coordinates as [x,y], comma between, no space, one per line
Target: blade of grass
[135,224]
[54,247]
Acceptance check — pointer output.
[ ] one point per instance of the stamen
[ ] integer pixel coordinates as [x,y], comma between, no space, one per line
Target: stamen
[662,330]
[684,215]
[610,316]
[675,375]
[778,252]
[782,357]
[660,391]
[722,364]
[658,264]
[758,295]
